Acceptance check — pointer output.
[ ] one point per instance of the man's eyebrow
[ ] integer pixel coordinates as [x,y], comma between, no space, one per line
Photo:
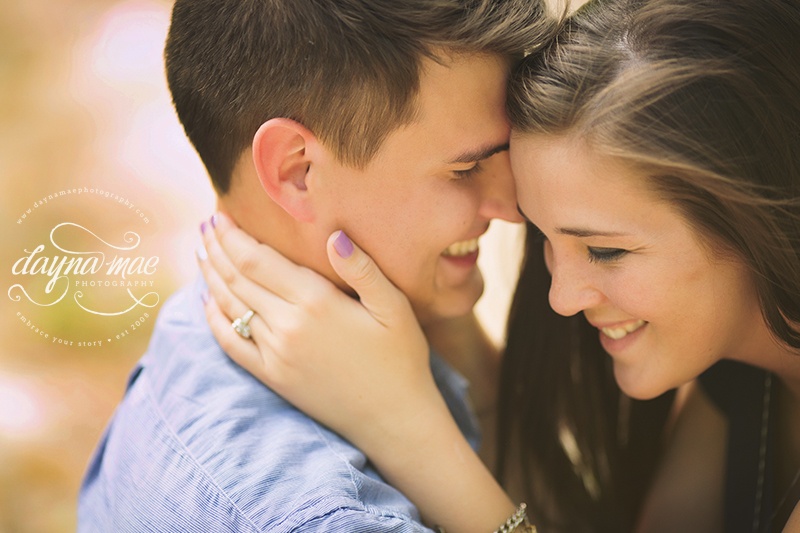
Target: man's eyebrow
[582,232]
[479,154]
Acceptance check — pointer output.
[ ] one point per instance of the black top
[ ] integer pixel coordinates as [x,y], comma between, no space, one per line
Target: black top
[746,396]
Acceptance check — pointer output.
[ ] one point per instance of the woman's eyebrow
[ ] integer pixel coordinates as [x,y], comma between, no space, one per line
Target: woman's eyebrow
[583,232]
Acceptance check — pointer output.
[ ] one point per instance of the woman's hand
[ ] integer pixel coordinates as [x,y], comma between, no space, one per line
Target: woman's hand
[360,367]
[346,363]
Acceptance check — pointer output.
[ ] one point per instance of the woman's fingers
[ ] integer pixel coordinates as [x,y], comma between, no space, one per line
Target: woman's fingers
[227,337]
[261,264]
[280,327]
[228,286]
[378,295]
[303,338]
[252,356]
[229,305]
[222,308]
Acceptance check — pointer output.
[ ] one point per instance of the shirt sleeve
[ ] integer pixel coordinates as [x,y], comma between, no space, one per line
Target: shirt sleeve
[359,521]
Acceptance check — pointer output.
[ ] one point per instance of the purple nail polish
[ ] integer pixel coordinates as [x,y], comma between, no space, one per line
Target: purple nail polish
[203,227]
[343,245]
[204,297]
[214,220]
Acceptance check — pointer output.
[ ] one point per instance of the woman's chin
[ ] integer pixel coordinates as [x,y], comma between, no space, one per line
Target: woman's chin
[636,384]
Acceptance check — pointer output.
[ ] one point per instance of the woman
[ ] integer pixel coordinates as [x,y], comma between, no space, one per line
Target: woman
[656,150]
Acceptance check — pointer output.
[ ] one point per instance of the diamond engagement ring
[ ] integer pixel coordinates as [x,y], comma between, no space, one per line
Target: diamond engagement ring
[241,325]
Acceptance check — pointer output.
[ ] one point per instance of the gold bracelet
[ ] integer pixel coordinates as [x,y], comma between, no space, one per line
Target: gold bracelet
[519,518]
[517,522]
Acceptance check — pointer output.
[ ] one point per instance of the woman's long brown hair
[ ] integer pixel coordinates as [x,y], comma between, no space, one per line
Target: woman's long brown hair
[703,96]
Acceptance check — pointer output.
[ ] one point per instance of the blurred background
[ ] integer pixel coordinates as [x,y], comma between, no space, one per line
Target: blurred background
[84,106]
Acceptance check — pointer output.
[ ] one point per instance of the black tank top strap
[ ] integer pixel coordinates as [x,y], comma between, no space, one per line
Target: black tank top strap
[743,393]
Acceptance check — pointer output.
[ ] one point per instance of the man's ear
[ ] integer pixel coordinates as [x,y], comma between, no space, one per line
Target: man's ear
[281,162]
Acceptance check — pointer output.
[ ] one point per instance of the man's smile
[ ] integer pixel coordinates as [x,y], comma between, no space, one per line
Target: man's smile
[461,248]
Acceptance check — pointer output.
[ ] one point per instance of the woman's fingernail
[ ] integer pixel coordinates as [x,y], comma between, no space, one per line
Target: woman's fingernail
[204,297]
[214,220]
[203,227]
[201,253]
[343,245]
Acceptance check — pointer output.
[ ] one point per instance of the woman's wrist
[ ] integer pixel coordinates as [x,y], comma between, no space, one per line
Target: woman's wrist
[424,454]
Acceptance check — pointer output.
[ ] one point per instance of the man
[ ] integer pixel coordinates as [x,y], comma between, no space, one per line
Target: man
[379,117]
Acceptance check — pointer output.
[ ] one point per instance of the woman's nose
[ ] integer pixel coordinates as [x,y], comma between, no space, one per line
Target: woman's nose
[572,289]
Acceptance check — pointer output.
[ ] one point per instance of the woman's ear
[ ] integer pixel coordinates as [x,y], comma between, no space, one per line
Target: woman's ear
[282,162]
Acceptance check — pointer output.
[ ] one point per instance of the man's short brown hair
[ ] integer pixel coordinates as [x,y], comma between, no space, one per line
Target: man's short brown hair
[348,70]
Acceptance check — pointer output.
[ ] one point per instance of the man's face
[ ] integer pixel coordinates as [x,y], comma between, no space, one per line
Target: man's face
[419,206]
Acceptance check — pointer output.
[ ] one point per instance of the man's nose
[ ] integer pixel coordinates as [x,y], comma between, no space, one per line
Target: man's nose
[498,193]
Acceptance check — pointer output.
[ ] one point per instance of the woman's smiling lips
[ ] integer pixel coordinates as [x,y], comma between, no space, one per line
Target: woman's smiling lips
[619,331]
[616,337]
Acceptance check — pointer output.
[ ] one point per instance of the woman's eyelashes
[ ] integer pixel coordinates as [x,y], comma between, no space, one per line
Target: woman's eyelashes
[605,255]
[597,254]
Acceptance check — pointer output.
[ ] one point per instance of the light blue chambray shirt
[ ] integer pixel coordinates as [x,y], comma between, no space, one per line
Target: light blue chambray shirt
[199,445]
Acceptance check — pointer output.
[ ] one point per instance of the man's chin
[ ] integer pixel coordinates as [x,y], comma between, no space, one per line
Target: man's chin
[455,304]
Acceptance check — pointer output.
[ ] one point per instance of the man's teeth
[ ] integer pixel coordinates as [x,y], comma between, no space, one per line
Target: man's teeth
[619,332]
[461,248]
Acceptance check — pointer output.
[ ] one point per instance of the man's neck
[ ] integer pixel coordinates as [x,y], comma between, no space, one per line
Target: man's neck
[251,208]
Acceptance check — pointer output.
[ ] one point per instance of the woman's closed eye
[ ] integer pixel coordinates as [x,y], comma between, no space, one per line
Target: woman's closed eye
[605,255]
